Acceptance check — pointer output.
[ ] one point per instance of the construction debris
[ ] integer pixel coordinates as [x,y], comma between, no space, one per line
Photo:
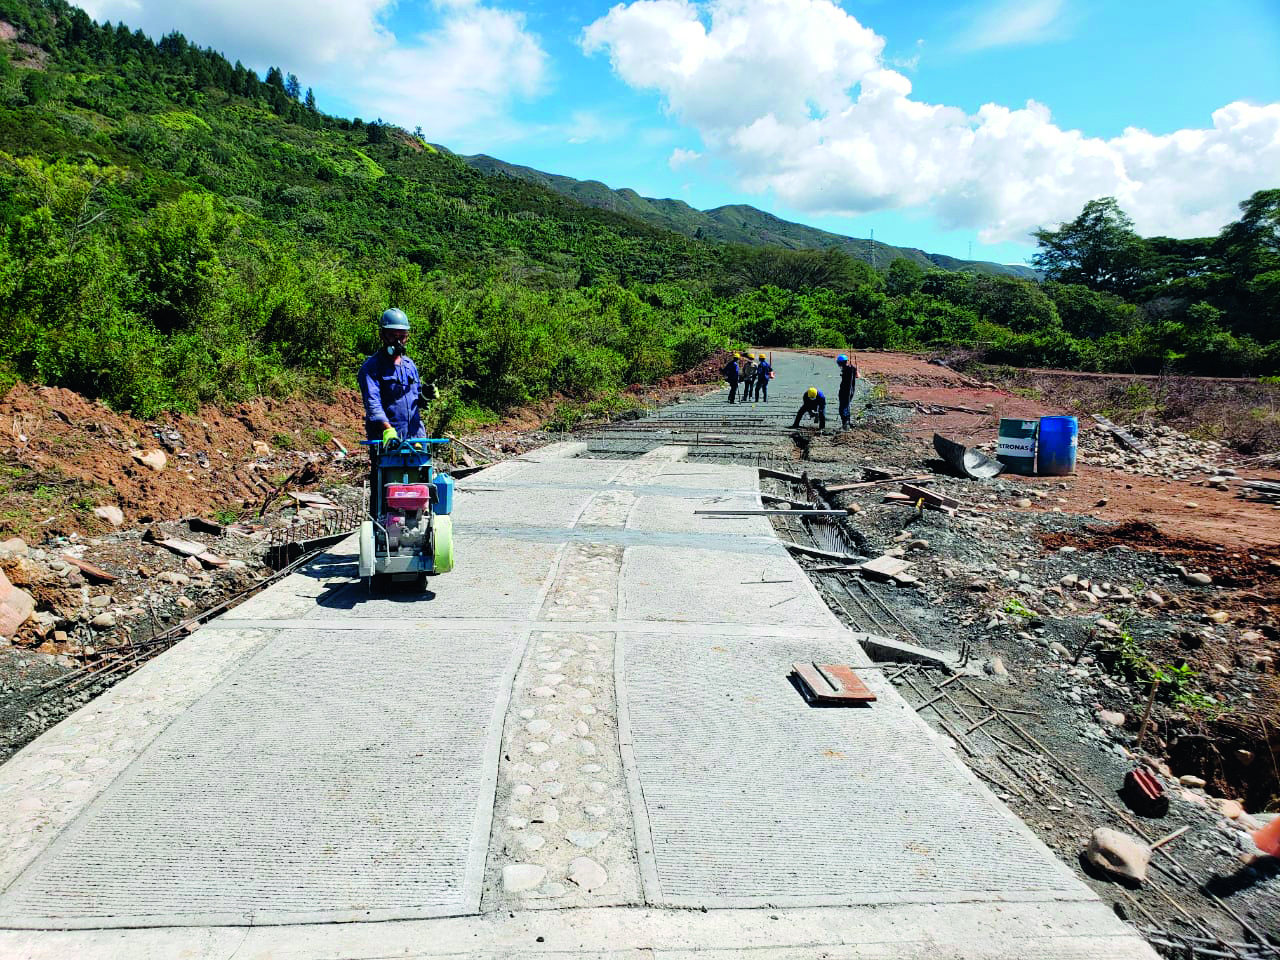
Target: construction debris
[965,461]
[884,568]
[830,684]
[887,649]
[1118,855]
[1124,436]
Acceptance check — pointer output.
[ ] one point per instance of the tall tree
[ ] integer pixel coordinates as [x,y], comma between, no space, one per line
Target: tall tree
[293,87]
[1099,249]
[311,100]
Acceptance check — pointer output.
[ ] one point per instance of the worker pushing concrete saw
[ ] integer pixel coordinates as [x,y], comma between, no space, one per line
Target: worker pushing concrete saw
[409,530]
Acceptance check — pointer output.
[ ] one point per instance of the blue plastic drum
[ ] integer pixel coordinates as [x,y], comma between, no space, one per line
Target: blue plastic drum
[1058,437]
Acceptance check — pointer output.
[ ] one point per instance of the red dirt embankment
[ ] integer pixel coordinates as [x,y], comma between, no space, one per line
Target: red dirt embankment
[62,455]
[1219,517]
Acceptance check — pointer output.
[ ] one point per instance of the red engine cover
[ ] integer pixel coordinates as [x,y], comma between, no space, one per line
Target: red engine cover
[408,496]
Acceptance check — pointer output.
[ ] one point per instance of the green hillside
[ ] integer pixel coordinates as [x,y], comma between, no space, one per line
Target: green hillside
[175,230]
[736,223]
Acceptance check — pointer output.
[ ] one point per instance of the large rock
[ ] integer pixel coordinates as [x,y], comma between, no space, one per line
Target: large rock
[14,545]
[155,459]
[113,515]
[1118,855]
[16,607]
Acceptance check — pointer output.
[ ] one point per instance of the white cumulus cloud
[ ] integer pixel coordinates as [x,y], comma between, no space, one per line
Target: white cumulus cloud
[680,157]
[796,96]
[457,79]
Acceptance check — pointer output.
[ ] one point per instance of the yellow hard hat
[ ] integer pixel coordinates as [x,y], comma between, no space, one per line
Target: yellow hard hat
[762,356]
[811,392]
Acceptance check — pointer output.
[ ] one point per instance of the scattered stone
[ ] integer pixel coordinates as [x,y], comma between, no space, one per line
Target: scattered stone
[586,839]
[186,603]
[531,841]
[1196,579]
[112,515]
[155,459]
[1108,625]
[193,564]
[587,874]
[996,668]
[1023,503]
[173,577]
[1070,581]
[1102,502]
[101,601]
[14,545]
[1059,649]
[1231,809]
[104,621]
[261,446]
[1191,505]
[1111,717]
[1119,855]
[1219,616]
[1192,781]
[519,877]
[1153,598]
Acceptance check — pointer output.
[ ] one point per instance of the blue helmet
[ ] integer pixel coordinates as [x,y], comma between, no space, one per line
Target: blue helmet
[842,359]
[394,319]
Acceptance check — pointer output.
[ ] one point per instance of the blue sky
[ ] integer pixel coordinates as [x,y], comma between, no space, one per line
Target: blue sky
[909,119]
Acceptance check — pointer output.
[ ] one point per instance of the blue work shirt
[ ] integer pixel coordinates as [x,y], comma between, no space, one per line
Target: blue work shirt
[390,391]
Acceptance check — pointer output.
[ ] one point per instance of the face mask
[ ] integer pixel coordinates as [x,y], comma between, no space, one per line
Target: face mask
[395,350]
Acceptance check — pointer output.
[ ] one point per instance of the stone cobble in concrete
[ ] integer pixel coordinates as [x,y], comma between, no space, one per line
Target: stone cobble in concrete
[562,814]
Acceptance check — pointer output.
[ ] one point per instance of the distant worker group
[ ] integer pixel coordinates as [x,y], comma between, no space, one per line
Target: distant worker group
[754,374]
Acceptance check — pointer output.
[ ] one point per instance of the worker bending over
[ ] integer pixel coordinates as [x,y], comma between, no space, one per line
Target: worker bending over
[815,405]
[848,384]
[764,370]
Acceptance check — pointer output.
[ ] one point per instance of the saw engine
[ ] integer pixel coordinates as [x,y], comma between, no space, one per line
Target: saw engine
[405,521]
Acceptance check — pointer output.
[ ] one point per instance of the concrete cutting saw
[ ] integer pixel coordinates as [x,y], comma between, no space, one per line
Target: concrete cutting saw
[409,531]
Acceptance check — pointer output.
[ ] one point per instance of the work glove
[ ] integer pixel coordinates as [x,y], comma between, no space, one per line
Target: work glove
[389,436]
[432,391]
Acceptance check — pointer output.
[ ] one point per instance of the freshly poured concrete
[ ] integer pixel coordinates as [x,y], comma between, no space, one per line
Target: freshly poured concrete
[587,724]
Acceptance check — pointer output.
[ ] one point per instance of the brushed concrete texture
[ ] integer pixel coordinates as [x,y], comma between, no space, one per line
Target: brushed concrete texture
[754,798]
[685,583]
[321,781]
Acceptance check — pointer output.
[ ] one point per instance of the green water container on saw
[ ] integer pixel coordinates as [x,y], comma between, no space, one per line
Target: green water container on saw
[1016,445]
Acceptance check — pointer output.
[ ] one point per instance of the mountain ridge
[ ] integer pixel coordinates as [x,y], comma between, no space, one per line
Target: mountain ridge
[734,223]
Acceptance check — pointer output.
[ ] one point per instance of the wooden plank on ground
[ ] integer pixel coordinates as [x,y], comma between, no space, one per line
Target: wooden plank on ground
[884,568]
[863,484]
[770,513]
[821,554]
[780,475]
[89,570]
[188,548]
[931,497]
[1124,436]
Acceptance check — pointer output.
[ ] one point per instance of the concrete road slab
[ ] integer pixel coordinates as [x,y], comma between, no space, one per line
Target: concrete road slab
[682,583]
[325,780]
[753,798]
